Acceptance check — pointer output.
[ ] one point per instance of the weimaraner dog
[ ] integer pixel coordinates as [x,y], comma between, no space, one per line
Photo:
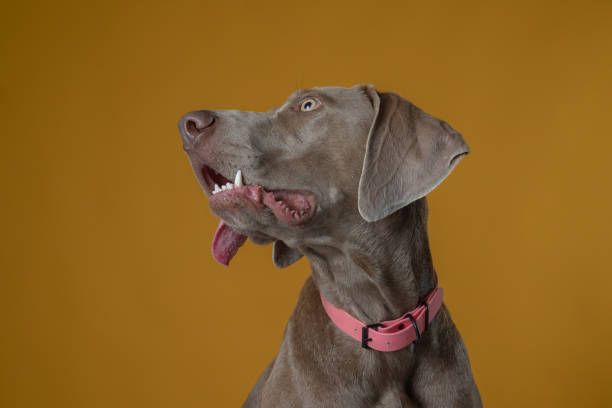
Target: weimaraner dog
[339,175]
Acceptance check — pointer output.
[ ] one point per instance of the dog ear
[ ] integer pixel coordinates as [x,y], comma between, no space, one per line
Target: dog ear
[283,256]
[408,153]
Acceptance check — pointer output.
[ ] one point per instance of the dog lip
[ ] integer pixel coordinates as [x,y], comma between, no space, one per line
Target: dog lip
[293,207]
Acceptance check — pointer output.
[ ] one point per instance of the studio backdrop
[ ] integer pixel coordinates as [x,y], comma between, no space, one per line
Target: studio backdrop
[109,294]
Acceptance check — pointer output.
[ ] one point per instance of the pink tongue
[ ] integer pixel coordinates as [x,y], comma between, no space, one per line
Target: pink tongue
[226,243]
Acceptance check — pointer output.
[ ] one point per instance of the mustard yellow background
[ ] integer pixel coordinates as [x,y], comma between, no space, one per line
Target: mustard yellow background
[109,295]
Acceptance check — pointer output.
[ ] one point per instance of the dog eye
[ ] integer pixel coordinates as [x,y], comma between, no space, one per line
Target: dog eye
[309,104]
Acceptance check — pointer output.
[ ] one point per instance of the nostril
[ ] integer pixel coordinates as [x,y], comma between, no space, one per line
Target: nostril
[192,128]
[196,123]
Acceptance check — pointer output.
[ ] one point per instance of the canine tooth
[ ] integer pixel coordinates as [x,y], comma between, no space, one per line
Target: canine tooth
[217,188]
[238,180]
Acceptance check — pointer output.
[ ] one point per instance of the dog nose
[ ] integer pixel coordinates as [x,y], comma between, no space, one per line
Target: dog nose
[194,124]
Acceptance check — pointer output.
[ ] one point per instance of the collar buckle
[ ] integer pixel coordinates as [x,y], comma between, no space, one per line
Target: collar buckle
[364,333]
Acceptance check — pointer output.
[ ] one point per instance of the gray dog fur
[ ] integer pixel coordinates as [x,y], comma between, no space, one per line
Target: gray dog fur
[369,158]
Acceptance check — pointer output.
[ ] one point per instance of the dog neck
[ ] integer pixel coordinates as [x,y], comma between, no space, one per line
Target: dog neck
[381,270]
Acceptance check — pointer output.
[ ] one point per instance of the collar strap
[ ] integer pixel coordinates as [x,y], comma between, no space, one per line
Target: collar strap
[390,335]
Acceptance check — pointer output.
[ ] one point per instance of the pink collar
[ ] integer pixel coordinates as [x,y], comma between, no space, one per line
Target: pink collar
[390,335]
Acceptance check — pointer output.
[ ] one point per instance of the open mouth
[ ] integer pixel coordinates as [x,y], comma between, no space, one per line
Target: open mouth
[292,207]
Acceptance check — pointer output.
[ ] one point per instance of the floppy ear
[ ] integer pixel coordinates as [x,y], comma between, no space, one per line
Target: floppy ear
[408,153]
[283,255]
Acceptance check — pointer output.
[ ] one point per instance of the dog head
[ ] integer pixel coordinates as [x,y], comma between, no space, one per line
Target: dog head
[302,172]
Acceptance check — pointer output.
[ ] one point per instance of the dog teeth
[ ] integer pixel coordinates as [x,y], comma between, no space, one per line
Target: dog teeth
[238,180]
[228,186]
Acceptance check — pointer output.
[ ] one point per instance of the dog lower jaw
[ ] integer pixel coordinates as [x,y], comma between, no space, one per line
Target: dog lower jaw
[293,208]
